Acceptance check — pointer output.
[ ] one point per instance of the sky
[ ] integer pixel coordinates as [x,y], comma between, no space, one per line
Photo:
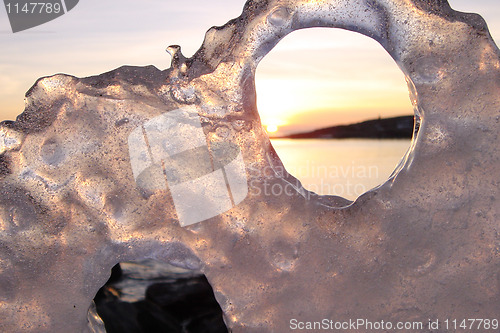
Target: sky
[313,78]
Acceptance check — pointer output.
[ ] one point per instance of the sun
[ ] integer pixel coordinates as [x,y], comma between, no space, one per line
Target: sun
[272,128]
[273,125]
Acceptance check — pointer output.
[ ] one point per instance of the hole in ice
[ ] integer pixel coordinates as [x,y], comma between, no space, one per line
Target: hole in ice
[318,78]
[152,296]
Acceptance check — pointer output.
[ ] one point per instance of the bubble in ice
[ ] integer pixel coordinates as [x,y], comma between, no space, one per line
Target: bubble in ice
[279,16]
[174,165]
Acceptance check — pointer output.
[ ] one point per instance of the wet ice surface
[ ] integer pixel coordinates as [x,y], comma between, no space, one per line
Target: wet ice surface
[425,245]
[138,276]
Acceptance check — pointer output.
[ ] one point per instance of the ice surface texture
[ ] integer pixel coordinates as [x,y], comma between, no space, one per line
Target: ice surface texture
[79,195]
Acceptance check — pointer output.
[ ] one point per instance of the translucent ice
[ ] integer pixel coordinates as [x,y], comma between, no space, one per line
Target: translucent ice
[174,165]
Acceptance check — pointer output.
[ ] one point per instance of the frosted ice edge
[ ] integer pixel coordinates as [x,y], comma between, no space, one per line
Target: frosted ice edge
[424,245]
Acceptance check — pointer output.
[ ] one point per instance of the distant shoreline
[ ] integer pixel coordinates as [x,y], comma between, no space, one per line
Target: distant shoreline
[386,128]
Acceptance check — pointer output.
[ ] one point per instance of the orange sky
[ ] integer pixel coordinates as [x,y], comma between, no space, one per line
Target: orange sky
[314,78]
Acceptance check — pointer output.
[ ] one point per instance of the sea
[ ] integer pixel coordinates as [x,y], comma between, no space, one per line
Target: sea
[343,167]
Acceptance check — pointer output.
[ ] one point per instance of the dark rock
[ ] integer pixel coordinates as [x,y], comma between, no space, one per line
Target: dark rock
[190,300]
[138,317]
[389,128]
[184,305]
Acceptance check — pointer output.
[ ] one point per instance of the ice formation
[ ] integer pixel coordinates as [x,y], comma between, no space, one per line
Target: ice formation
[79,195]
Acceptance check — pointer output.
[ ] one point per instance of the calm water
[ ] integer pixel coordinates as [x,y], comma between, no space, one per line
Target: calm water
[345,167]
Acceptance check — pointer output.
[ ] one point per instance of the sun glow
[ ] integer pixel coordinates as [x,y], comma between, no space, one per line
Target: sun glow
[273,125]
[272,128]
